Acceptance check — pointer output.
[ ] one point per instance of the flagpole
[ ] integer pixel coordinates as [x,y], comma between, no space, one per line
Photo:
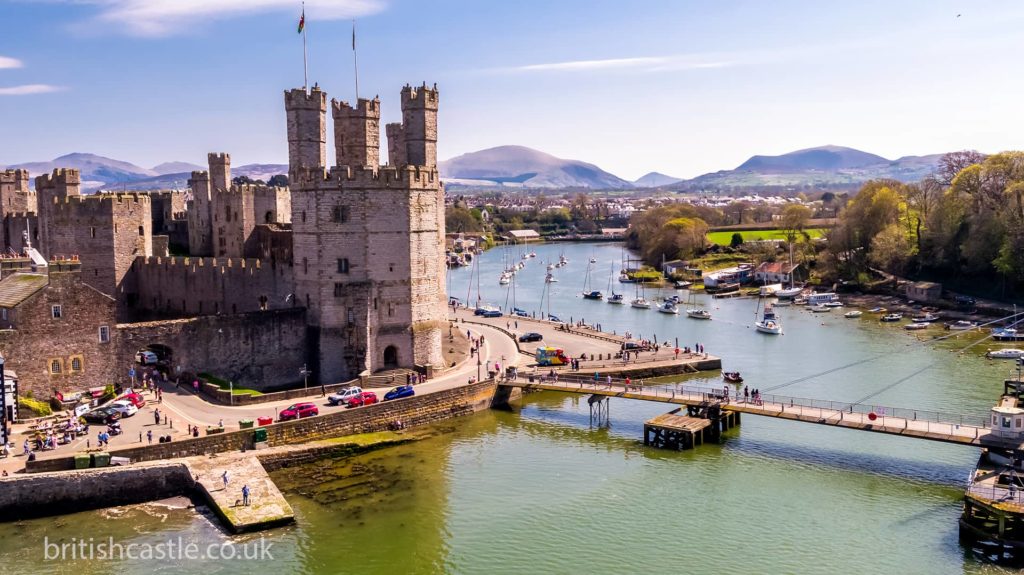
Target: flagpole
[305,69]
[355,59]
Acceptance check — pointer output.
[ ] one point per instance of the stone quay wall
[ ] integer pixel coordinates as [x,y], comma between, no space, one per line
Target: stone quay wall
[413,411]
[41,495]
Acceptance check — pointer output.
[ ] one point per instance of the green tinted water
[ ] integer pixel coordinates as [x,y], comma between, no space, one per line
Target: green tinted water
[539,490]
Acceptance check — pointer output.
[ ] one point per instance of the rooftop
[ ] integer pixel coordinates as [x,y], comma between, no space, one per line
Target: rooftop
[17,287]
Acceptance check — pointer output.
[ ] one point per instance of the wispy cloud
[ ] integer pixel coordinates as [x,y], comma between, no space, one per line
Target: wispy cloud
[30,89]
[6,62]
[639,64]
[158,18]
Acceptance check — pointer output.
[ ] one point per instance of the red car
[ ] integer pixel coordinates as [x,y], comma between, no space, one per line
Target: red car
[298,410]
[135,398]
[364,398]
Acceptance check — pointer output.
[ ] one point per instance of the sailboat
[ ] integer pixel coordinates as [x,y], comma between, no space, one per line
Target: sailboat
[640,302]
[790,292]
[669,306]
[588,293]
[769,323]
[694,310]
[615,298]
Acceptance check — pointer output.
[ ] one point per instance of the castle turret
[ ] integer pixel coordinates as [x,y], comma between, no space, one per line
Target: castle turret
[62,183]
[307,130]
[357,132]
[396,145]
[15,195]
[200,228]
[419,125]
[220,171]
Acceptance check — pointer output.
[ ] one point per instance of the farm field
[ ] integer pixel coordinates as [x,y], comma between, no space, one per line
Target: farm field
[723,238]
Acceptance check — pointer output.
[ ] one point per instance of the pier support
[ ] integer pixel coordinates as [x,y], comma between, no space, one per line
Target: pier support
[599,410]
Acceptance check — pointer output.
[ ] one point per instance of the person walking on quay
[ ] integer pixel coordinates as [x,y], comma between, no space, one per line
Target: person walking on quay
[149,436]
[156,416]
[609,380]
[746,394]
[245,495]
[224,477]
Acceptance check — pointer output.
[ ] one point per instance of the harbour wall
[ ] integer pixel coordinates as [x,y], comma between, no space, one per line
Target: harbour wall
[413,411]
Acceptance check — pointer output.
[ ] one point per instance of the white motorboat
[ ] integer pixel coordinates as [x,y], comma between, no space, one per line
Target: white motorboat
[769,323]
[833,304]
[505,279]
[853,314]
[820,308]
[788,293]
[916,325]
[698,313]
[961,325]
[926,318]
[1007,334]
[1008,353]
[890,317]
[640,303]
[669,307]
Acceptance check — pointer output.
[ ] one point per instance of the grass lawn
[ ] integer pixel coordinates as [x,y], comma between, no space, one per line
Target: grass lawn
[725,238]
[225,385]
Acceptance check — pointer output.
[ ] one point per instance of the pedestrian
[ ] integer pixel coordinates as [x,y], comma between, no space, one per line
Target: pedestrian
[628,382]
[195,385]
[27,450]
[224,476]
[702,348]
[746,394]
[220,423]
[140,437]
[195,431]
[149,436]
[245,495]
[156,416]
[517,324]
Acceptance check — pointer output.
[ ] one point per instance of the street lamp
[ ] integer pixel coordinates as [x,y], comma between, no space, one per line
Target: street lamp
[478,364]
[305,373]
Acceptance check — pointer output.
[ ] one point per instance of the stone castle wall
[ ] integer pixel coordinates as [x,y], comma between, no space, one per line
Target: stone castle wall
[184,286]
[254,350]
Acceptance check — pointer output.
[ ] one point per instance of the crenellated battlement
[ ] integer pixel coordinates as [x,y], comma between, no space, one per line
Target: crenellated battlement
[381,177]
[59,177]
[299,98]
[102,202]
[364,107]
[200,175]
[218,157]
[421,97]
[14,177]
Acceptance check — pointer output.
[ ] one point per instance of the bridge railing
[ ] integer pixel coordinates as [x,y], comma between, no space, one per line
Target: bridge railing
[952,421]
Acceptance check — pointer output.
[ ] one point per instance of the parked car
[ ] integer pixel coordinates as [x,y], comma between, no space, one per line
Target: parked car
[364,398]
[297,411]
[520,312]
[102,415]
[125,407]
[491,313]
[532,336]
[555,319]
[400,392]
[965,300]
[146,357]
[342,396]
[135,398]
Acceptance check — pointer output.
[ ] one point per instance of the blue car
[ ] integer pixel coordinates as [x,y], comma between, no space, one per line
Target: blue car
[520,312]
[491,313]
[400,392]
[555,319]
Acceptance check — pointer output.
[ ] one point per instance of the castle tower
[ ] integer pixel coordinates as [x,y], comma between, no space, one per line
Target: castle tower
[15,195]
[419,125]
[220,171]
[200,228]
[357,132]
[396,145]
[368,248]
[307,130]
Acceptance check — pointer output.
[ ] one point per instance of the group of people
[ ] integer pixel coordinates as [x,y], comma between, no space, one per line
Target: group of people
[752,396]
[475,343]
[414,378]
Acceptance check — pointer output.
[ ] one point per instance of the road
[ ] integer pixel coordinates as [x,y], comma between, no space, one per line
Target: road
[183,408]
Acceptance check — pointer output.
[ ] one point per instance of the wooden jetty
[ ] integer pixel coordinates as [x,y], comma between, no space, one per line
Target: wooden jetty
[701,423]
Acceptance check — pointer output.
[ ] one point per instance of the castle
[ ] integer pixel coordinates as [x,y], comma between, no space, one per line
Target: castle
[342,272]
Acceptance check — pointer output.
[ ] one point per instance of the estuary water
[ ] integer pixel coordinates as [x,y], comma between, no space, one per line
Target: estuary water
[539,489]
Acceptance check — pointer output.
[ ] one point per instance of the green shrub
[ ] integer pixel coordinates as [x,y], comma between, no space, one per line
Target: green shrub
[39,408]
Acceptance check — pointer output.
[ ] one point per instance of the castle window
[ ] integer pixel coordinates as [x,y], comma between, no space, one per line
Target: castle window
[76,364]
[339,289]
[303,217]
[342,265]
[391,267]
[305,266]
[391,309]
[339,214]
[55,311]
[351,316]
[3,314]
[55,367]
[374,303]
[104,334]
[142,230]
[92,231]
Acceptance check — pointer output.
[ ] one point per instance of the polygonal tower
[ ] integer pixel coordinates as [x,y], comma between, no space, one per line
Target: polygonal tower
[357,132]
[307,130]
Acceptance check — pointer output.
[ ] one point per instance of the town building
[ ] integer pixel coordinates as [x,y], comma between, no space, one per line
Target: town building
[924,292]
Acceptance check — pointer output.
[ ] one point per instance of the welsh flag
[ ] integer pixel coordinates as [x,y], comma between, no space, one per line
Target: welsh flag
[302,21]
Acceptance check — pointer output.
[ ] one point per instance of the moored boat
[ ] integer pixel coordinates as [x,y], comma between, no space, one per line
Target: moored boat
[769,323]
[593,295]
[616,298]
[789,293]
[820,308]
[853,314]
[961,325]
[890,317]
[1008,353]
[878,310]
[732,376]
[925,318]
[668,307]
[1007,334]
[916,325]
[640,303]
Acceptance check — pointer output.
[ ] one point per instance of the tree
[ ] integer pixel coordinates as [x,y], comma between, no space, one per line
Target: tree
[736,241]
[953,163]
[890,249]
[280,180]
[793,220]
[458,220]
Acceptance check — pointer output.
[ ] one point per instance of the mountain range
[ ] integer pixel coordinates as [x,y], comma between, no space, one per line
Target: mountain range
[525,168]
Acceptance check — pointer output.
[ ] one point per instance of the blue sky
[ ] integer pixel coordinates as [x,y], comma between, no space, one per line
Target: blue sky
[681,87]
